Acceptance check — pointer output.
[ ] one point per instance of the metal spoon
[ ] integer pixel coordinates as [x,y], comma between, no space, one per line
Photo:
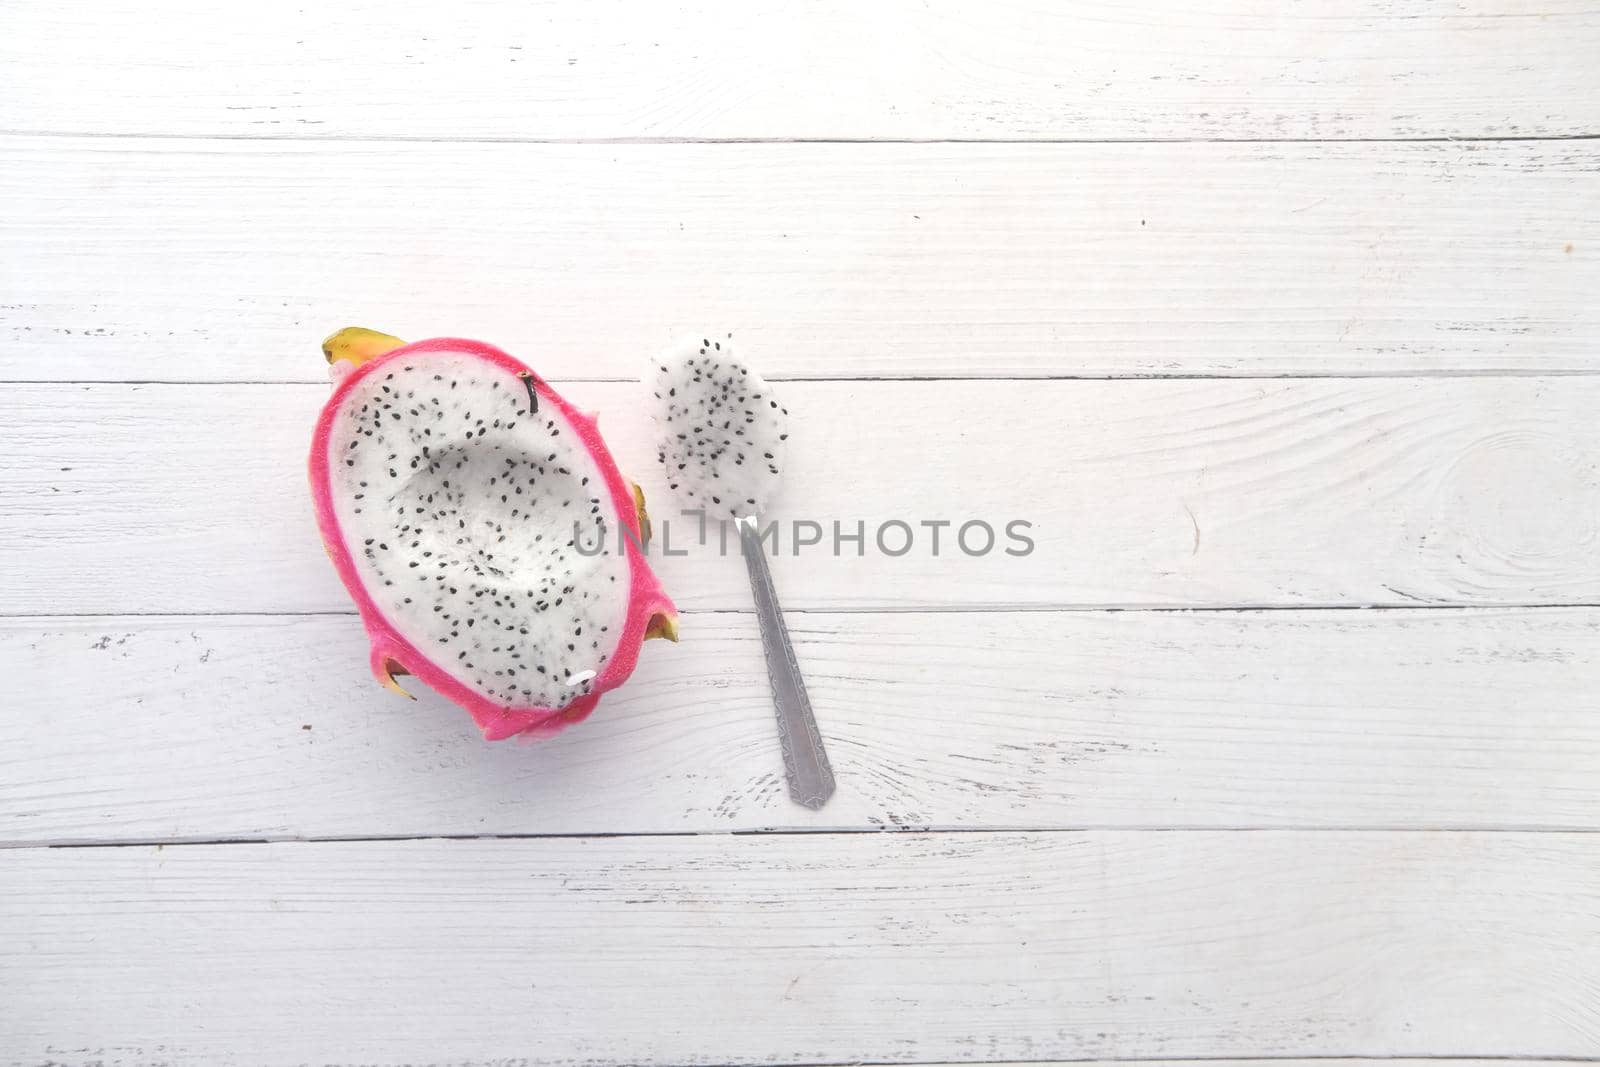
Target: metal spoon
[722,444]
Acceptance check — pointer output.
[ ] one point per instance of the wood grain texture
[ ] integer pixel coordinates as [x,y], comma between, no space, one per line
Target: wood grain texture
[1141,493]
[1341,863]
[218,261]
[152,729]
[721,69]
[807,948]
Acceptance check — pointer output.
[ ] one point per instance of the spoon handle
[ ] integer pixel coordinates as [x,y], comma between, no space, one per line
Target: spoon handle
[804,761]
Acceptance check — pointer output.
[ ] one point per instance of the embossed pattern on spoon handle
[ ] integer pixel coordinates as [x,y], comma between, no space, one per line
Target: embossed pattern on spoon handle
[804,760]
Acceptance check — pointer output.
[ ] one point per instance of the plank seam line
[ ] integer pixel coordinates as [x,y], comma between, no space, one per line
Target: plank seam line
[951,609]
[784,832]
[1316,1057]
[1134,376]
[1319,1057]
[418,139]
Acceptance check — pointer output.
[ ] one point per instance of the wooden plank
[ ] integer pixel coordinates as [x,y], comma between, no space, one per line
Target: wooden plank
[901,69]
[808,948]
[1141,493]
[163,729]
[218,261]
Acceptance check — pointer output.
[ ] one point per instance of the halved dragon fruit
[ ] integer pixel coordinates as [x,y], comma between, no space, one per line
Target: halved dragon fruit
[462,502]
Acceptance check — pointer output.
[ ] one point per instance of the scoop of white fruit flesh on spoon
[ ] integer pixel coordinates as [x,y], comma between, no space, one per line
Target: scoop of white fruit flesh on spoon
[722,445]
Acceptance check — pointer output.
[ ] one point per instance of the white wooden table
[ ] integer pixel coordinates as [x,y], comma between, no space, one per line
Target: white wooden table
[1278,322]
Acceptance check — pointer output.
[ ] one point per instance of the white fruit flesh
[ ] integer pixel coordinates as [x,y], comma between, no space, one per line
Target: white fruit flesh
[722,429]
[461,505]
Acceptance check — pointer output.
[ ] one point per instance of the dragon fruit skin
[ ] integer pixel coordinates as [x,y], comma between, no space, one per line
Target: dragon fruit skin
[648,613]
